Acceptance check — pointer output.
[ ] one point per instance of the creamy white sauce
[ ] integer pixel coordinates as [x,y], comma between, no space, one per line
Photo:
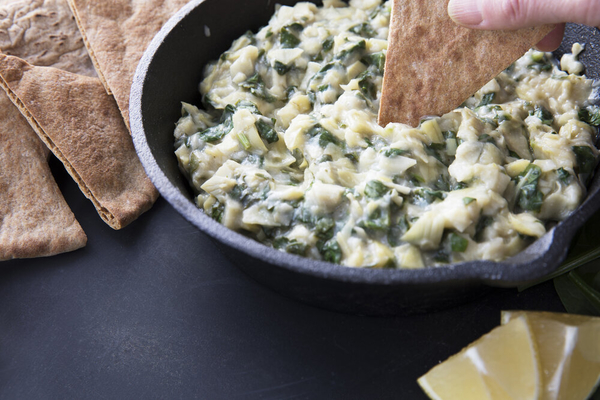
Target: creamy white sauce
[298,161]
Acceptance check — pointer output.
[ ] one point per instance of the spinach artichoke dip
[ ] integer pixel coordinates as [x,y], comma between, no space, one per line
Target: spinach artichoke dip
[287,149]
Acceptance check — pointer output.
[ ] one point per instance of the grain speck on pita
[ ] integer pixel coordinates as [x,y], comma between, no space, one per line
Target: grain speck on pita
[116,33]
[35,220]
[82,126]
[433,65]
[44,33]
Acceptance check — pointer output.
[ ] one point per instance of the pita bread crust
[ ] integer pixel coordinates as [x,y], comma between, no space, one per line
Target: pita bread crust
[433,65]
[116,33]
[35,220]
[82,126]
[44,33]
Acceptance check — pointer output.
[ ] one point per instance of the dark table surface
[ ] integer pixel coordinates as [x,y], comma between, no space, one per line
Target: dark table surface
[154,311]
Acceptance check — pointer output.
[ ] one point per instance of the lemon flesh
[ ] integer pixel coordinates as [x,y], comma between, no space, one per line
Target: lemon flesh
[502,364]
[569,352]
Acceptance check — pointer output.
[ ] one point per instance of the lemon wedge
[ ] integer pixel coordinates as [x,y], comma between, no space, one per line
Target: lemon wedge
[502,364]
[569,352]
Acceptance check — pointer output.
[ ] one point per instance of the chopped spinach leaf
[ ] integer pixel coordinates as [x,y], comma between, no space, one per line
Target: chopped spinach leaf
[375,189]
[397,231]
[248,105]
[487,98]
[281,68]
[379,220]
[563,175]
[468,200]
[485,138]
[225,126]
[324,228]
[590,115]
[237,193]
[366,86]
[544,115]
[377,60]
[331,251]
[216,211]
[257,87]
[529,197]
[266,131]
[287,38]
[352,157]
[364,30]
[325,137]
[484,222]
[441,256]
[458,243]
[586,160]
[394,152]
[290,246]
[427,196]
[328,44]
[346,55]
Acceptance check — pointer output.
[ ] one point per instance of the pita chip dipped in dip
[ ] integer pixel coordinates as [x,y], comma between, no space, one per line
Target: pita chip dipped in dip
[433,65]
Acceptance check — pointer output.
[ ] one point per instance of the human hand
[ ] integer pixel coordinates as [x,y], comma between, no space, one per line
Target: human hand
[515,14]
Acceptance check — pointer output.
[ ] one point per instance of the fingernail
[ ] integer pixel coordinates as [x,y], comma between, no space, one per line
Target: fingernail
[465,12]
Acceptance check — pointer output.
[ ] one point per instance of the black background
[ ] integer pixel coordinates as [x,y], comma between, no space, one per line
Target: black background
[155,311]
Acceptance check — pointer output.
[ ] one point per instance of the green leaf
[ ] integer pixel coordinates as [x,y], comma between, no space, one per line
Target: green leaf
[325,137]
[287,38]
[458,243]
[563,175]
[363,29]
[544,115]
[573,299]
[377,60]
[266,131]
[332,252]
[328,44]
[586,160]
[487,99]
[281,68]
[257,87]
[248,105]
[529,197]
[367,87]
[347,54]
[394,152]
[590,115]
[375,189]
[225,126]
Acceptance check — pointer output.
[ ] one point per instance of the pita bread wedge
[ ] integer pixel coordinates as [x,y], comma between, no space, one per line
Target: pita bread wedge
[35,220]
[116,33]
[433,64]
[44,33]
[82,126]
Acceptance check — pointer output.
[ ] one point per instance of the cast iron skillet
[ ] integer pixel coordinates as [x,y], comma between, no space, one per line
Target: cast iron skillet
[170,72]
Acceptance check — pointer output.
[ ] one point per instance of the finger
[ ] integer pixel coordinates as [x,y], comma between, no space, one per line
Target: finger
[515,14]
[552,40]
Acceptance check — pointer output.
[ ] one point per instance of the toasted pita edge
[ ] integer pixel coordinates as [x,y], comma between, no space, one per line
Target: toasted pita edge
[89,48]
[422,39]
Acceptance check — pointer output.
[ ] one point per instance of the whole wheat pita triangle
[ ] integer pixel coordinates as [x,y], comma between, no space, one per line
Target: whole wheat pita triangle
[35,220]
[433,65]
[116,33]
[82,126]
[44,33]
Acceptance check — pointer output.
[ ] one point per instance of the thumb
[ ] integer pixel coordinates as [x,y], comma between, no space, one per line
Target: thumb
[515,14]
